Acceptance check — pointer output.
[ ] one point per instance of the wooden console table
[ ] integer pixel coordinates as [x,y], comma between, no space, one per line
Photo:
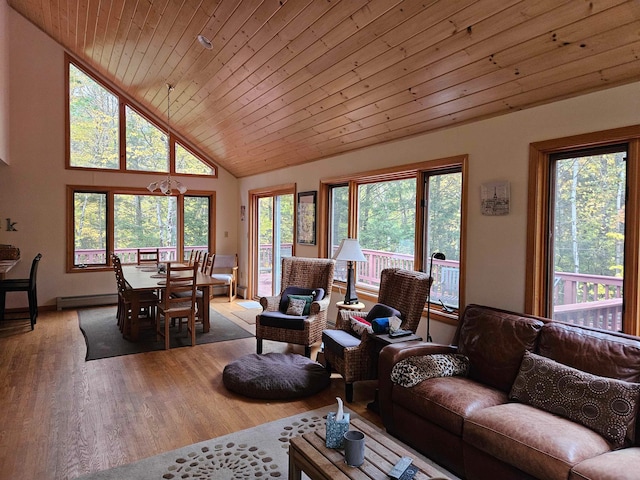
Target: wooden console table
[6,265]
[308,454]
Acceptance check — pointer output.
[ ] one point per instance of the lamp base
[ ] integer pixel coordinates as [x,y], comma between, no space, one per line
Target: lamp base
[350,297]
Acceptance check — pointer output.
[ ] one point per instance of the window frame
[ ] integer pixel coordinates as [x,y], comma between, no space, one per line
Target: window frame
[123,102]
[401,172]
[110,193]
[538,208]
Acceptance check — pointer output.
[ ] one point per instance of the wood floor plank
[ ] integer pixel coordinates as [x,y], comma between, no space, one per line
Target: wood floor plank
[62,417]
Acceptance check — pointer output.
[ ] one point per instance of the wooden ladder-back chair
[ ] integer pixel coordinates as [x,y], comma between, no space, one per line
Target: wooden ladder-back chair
[178,301]
[148,255]
[148,300]
[310,278]
[354,356]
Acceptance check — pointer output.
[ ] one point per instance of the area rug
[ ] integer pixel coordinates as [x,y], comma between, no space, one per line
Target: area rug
[248,316]
[104,339]
[250,304]
[259,452]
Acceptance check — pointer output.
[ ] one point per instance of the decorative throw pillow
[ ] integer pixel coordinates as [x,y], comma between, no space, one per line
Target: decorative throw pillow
[308,299]
[413,370]
[359,326]
[380,310]
[296,306]
[605,405]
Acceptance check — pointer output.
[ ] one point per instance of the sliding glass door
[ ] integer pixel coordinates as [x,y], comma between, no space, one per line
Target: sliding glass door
[273,240]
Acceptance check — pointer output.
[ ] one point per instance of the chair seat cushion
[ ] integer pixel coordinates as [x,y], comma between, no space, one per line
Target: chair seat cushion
[337,340]
[187,294]
[282,320]
[223,277]
[275,376]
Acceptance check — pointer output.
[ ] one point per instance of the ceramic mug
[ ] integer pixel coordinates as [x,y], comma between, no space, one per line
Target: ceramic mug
[354,448]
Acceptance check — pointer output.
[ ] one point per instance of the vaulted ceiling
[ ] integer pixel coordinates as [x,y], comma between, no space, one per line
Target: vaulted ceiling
[291,81]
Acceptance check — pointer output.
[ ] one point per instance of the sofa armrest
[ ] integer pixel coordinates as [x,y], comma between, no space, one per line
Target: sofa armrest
[389,356]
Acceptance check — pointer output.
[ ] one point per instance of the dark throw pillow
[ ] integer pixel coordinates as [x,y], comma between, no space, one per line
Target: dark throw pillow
[380,310]
[605,405]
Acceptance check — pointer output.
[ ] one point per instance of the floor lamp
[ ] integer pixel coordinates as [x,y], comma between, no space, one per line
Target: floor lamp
[350,251]
[439,256]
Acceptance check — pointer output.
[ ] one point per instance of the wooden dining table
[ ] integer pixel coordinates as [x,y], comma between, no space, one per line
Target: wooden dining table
[141,279]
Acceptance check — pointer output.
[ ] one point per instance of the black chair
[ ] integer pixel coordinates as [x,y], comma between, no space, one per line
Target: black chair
[22,285]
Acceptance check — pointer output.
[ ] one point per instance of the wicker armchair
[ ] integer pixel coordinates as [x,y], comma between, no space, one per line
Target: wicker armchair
[356,358]
[274,324]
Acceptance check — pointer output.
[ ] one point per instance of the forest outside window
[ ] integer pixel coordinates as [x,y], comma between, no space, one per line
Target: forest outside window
[108,220]
[398,217]
[106,132]
[583,230]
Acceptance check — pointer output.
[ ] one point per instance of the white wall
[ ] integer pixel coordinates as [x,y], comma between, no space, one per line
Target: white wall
[498,149]
[32,187]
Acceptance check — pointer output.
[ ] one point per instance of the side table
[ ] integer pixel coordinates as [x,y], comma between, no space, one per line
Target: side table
[356,307]
[381,340]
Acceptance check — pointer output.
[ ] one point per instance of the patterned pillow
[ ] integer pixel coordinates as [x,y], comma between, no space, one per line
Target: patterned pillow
[296,306]
[413,370]
[308,300]
[605,405]
[359,326]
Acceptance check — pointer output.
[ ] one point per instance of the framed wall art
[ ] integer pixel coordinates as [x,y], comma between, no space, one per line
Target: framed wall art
[306,227]
[495,198]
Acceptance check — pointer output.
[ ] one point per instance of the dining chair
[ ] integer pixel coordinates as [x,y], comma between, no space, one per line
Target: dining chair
[181,280]
[148,300]
[205,268]
[148,255]
[23,285]
[225,268]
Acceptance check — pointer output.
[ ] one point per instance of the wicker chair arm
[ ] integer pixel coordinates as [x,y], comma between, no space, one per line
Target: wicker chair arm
[270,304]
[343,322]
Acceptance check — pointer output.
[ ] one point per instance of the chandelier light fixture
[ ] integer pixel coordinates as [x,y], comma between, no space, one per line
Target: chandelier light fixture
[166,186]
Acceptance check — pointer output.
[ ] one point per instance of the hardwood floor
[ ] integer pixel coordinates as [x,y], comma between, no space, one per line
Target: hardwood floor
[61,417]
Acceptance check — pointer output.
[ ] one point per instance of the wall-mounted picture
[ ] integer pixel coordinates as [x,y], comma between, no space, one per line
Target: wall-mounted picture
[495,198]
[306,228]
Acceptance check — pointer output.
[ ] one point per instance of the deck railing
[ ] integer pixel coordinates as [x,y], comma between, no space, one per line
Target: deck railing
[590,300]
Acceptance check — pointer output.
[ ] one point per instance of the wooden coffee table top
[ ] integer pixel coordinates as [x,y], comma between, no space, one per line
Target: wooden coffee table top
[308,454]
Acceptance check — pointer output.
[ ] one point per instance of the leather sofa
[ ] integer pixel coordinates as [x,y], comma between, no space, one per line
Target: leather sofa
[470,424]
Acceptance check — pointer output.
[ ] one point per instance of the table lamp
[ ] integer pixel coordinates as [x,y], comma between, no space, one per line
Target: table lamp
[350,251]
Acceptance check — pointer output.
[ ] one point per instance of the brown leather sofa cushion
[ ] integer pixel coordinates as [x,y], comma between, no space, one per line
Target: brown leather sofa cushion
[495,341]
[617,465]
[596,352]
[606,405]
[447,401]
[536,442]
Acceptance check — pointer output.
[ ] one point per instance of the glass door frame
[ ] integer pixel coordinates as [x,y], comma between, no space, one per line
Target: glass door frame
[254,244]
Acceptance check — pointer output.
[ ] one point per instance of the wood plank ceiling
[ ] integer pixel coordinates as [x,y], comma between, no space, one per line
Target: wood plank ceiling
[292,81]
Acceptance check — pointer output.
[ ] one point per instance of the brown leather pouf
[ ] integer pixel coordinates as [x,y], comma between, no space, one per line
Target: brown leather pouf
[275,376]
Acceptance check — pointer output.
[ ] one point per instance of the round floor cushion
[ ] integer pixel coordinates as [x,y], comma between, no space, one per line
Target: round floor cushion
[275,376]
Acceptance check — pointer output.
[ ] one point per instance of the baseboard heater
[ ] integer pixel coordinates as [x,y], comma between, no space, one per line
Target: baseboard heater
[87,300]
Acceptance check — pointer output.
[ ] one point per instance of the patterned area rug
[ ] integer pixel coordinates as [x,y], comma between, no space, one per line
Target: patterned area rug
[260,452]
[103,337]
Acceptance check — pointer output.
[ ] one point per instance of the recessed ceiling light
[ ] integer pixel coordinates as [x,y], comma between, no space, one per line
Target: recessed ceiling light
[205,42]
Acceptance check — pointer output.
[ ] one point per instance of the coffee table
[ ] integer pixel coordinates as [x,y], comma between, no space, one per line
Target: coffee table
[308,454]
